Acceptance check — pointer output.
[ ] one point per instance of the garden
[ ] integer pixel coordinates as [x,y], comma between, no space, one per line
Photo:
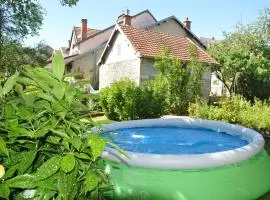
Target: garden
[50,141]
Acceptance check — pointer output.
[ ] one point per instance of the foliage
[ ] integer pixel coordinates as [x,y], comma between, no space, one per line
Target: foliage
[19,19]
[14,57]
[69,2]
[178,82]
[235,110]
[244,53]
[250,86]
[43,145]
[123,100]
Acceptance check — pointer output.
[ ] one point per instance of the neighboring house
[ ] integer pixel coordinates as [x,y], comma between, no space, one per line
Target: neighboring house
[130,52]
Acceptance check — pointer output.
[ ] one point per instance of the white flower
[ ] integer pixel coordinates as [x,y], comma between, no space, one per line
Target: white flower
[2,171]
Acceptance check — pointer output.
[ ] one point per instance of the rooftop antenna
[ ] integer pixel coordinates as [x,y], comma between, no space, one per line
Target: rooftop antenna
[127,11]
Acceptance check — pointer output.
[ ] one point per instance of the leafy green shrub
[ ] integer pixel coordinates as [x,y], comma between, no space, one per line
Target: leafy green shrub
[123,100]
[235,110]
[178,82]
[42,144]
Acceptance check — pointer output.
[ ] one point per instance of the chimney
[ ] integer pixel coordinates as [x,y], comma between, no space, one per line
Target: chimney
[124,18]
[69,43]
[187,23]
[84,29]
[127,20]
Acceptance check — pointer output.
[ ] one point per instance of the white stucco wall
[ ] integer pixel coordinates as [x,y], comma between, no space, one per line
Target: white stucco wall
[121,50]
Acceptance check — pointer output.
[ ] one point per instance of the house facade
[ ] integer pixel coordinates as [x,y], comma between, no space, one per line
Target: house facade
[130,53]
[86,47]
[87,44]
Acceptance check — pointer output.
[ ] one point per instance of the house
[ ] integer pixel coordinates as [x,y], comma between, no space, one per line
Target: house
[130,53]
[87,45]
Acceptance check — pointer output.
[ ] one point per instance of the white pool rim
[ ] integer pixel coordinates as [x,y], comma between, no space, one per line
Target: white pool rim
[187,161]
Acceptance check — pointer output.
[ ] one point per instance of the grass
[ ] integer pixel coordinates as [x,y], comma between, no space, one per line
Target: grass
[102,120]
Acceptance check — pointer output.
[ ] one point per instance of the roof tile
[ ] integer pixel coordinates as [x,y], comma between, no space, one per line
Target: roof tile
[150,44]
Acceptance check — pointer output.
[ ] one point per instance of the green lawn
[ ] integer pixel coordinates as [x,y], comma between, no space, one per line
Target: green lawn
[102,120]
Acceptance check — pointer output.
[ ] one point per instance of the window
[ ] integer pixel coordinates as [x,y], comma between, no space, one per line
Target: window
[118,49]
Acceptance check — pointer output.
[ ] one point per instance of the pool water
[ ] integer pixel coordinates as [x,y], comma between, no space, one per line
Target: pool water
[174,140]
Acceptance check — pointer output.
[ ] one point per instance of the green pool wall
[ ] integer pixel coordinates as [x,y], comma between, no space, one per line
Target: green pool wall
[245,180]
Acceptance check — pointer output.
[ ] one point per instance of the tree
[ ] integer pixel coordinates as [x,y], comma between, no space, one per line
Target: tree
[22,17]
[179,82]
[244,52]
[14,57]
[19,19]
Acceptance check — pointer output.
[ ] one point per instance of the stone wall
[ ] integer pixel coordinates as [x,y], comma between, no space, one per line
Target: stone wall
[109,73]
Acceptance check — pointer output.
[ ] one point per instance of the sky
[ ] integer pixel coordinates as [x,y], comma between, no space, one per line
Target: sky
[209,18]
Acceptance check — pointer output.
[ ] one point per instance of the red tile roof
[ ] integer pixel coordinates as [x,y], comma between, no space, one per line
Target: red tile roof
[150,44]
[90,31]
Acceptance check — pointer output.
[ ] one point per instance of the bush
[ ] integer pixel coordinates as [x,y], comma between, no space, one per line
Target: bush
[178,82]
[235,110]
[42,144]
[251,87]
[123,100]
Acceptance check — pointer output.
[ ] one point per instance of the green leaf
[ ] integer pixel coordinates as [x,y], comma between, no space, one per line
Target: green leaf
[60,133]
[48,168]
[9,173]
[82,156]
[47,184]
[43,104]
[58,66]
[27,159]
[76,142]
[67,184]
[4,191]
[3,147]
[24,113]
[97,145]
[9,111]
[29,99]
[10,83]
[70,94]
[26,81]
[68,163]
[46,97]
[25,181]
[59,90]
[1,91]
[118,148]
[90,182]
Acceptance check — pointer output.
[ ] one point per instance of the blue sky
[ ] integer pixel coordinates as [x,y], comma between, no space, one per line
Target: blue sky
[209,18]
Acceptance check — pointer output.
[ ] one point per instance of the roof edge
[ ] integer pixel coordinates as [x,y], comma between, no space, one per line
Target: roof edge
[101,31]
[181,24]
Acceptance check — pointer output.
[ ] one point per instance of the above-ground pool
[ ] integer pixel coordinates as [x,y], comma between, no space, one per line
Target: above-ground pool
[186,159]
